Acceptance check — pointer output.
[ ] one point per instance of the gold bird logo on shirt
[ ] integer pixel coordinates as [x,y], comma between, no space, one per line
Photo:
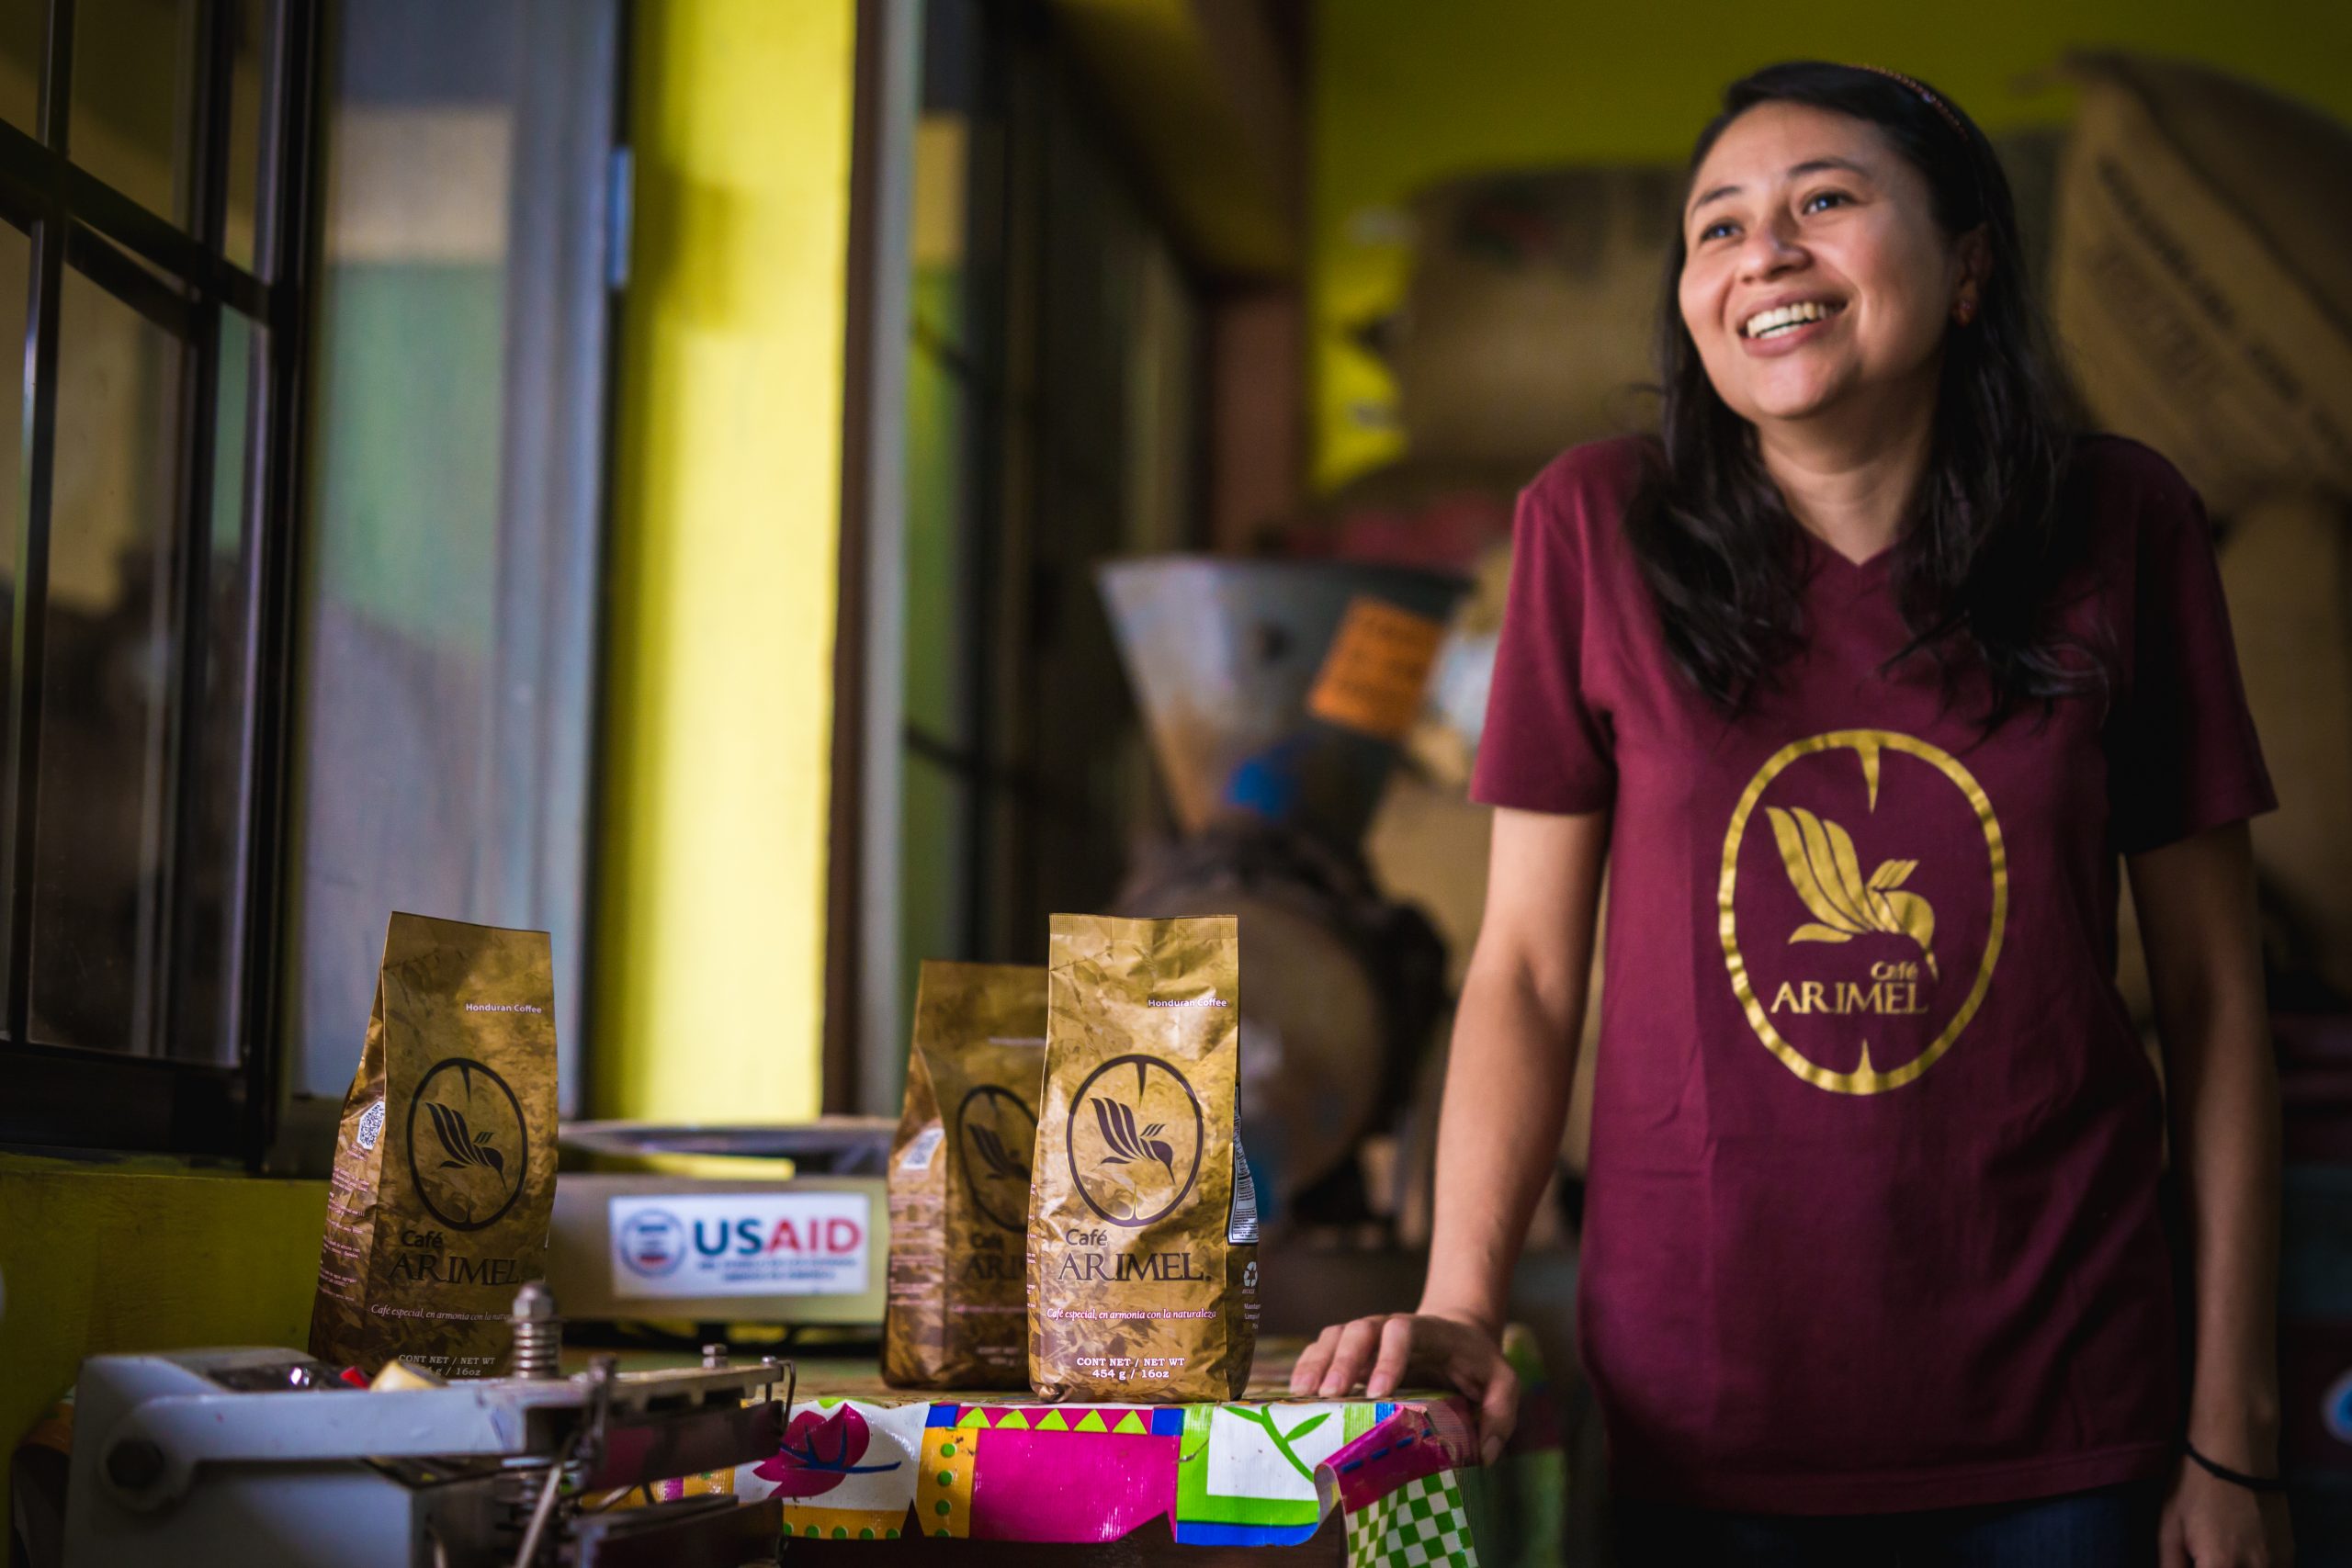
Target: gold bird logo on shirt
[1827,876]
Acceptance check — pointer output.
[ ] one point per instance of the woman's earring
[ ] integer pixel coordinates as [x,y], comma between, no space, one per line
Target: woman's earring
[1964,312]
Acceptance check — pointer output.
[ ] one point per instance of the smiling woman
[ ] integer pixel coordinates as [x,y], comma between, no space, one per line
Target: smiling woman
[1865,681]
[1849,254]
[1774,259]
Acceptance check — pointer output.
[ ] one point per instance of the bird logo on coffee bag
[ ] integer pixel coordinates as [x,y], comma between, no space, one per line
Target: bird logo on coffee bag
[1118,1124]
[998,1129]
[465,1132]
[959,1177]
[1134,1139]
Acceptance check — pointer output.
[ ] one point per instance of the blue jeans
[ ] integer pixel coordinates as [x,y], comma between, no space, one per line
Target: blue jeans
[2113,1526]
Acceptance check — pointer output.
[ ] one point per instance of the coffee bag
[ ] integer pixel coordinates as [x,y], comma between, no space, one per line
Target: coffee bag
[444,1162]
[959,1179]
[1142,1221]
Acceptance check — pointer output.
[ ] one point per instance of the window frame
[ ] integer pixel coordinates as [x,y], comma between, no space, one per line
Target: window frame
[69,1097]
[1031,96]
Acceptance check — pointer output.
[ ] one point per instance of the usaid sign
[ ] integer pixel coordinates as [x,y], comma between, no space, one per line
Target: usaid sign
[753,1244]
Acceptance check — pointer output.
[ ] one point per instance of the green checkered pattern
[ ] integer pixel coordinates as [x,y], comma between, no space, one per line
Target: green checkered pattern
[1422,1524]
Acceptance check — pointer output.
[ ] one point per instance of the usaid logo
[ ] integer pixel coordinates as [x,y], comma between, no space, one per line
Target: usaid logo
[652,1242]
[752,1236]
[682,1244]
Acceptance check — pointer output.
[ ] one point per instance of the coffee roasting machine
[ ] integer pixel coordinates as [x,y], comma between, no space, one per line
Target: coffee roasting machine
[1274,693]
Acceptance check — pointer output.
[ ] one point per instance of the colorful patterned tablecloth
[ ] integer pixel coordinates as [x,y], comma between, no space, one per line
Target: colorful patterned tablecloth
[860,1461]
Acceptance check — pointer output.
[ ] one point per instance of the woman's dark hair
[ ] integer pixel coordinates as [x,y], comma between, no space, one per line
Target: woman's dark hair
[1975,568]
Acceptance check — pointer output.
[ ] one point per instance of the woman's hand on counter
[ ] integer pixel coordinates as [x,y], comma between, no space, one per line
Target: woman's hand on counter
[1384,1351]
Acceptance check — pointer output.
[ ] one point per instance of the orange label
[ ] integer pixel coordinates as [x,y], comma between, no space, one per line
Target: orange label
[1372,678]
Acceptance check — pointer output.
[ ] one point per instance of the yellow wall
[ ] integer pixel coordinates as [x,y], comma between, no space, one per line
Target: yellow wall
[99,1256]
[725,522]
[1406,93]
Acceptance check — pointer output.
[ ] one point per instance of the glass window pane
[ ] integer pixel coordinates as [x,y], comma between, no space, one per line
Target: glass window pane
[938,803]
[252,24]
[954,39]
[20,24]
[16,263]
[107,675]
[210,893]
[934,859]
[942,172]
[133,65]
[448,635]
[939,552]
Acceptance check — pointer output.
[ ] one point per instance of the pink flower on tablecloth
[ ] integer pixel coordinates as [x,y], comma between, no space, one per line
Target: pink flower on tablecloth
[817,1451]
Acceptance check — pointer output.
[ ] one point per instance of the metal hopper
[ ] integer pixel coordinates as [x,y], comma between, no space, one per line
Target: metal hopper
[1223,656]
[1274,693]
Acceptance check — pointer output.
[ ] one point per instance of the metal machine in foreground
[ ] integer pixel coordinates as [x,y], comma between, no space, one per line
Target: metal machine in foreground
[262,1458]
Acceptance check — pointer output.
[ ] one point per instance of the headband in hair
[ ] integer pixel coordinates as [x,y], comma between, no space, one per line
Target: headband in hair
[1929,98]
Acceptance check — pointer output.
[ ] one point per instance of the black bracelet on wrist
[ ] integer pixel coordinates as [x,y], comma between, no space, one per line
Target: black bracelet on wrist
[2235,1477]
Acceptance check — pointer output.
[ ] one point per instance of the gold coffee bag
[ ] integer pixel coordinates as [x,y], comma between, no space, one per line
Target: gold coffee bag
[445,1164]
[1143,1223]
[959,1179]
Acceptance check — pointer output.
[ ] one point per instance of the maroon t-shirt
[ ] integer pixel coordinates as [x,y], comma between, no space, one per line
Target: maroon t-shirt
[1872,1219]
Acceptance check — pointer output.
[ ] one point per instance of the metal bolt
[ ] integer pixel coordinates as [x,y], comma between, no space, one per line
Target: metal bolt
[539,1334]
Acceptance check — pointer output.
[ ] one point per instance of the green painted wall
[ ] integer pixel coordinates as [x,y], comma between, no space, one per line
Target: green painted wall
[1406,93]
[142,1256]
